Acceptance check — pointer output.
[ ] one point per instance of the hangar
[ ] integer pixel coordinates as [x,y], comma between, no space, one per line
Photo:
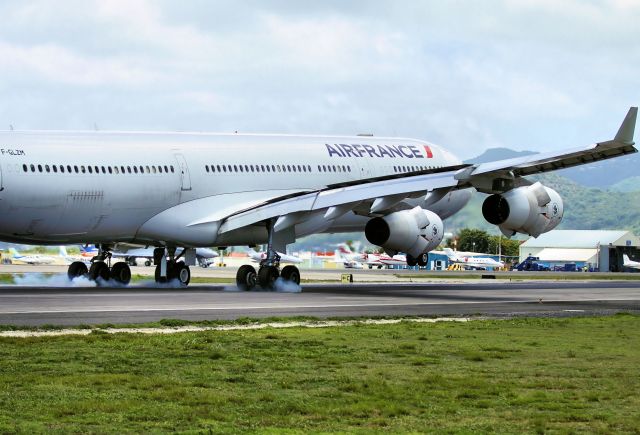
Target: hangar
[594,249]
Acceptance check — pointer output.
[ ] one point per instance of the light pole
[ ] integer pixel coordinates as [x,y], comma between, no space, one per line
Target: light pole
[474,246]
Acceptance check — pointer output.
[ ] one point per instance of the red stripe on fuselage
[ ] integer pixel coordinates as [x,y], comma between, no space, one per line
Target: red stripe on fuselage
[427,148]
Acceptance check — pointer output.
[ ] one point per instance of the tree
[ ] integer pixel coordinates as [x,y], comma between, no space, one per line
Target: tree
[510,247]
[473,240]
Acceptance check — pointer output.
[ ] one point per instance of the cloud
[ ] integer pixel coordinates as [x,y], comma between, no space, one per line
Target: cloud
[468,75]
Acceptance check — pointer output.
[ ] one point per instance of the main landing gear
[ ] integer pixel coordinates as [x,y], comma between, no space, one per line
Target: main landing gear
[100,270]
[269,271]
[422,260]
[168,268]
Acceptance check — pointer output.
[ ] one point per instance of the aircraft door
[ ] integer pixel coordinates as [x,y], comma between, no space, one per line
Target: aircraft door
[185,177]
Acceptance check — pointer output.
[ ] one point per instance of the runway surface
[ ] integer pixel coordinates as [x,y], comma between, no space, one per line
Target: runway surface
[36,306]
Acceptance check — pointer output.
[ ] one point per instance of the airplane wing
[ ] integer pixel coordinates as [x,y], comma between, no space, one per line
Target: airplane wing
[377,194]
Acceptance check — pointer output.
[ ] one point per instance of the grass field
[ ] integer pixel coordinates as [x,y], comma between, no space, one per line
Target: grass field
[579,374]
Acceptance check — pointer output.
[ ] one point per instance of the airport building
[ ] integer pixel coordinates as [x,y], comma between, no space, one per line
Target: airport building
[591,249]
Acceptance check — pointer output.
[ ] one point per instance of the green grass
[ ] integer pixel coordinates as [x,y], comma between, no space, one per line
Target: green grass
[563,375]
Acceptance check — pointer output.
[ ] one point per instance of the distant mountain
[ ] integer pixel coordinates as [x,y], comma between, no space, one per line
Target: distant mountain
[631,184]
[603,175]
[498,154]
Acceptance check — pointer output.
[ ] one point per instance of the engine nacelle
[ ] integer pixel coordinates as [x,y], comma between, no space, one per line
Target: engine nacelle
[531,210]
[414,231]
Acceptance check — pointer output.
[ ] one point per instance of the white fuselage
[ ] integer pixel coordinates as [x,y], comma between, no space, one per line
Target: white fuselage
[103,187]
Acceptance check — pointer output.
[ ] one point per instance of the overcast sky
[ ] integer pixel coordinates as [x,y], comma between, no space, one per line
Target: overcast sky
[469,75]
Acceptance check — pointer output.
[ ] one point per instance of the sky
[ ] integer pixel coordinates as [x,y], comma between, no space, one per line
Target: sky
[529,75]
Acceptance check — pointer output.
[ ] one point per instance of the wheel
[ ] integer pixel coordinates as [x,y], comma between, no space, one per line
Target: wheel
[99,269]
[291,273]
[246,277]
[76,269]
[423,260]
[147,263]
[183,273]
[267,276]
[120,272]
[411,260]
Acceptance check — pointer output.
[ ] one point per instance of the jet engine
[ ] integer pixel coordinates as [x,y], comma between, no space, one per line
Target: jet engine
[414,231]
[531,210]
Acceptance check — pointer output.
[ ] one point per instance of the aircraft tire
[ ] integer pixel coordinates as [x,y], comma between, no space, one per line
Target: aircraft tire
[76,269]
[291,273]
[99,269]
[147,263]
[267,276]
[183,273]
[411,260]
[423,260]
[246,277]
[120,272]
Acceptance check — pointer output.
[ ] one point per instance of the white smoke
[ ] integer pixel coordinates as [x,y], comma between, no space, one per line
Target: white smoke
[62,280]
[280,286]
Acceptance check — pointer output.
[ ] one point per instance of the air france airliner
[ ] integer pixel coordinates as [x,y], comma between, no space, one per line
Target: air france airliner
[180,191]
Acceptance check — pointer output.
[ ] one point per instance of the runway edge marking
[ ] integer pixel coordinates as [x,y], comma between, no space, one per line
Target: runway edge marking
[181,329]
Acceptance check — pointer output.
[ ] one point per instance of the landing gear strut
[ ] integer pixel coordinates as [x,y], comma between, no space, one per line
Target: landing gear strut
[100,272]
[269,270]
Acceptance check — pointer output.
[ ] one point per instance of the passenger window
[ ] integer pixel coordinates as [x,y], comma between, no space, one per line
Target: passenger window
[55,168]
[46,168]
[62,168]
[218,168]
[147,169]
[213,169]
[116,170]
[83,169]
[246,168]
[251,167]
[75,167]
[104,171]
[24,167]
[39,168]
[110,170]
[153,169]
[129,169]
[206,167]
[69,168]
[171,167]
[135,169]
[90,170]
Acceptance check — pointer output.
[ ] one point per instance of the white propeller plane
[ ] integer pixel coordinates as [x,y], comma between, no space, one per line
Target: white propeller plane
[190,190]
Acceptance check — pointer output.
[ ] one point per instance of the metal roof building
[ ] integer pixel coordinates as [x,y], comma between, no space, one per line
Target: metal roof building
[597,249]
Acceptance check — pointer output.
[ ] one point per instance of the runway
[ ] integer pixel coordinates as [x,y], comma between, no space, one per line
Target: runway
[36,306]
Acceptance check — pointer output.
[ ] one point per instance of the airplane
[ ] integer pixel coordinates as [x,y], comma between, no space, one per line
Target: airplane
[284,258]
[85,255]
[472,261]
[204,256]
[627,262]
[180,191]
[381,260]
[34,259]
